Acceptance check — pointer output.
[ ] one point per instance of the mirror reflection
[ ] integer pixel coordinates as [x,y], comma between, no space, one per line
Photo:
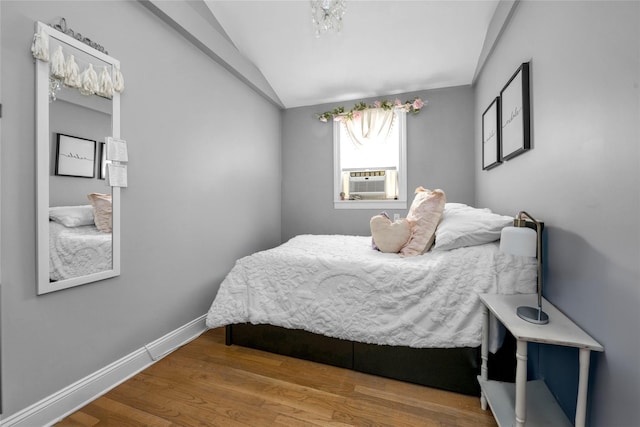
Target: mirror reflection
[79,243]
[78,213]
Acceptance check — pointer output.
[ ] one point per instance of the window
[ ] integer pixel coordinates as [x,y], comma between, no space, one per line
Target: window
[370,160]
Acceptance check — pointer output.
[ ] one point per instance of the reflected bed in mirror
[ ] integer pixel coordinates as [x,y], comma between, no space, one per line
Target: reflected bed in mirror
[78,214]
[77,246]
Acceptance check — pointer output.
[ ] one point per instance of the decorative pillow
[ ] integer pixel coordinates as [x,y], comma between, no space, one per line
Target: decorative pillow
[72,216]
[424,216]
[102,211]
[389,236]
[464,225]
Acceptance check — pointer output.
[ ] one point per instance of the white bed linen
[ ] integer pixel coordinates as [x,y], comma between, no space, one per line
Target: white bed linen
[339,286]
[77,251]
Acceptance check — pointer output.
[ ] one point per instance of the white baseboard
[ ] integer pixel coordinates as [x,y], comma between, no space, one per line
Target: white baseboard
[66,401]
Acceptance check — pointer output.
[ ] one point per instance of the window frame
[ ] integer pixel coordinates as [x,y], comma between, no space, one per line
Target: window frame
[401,202]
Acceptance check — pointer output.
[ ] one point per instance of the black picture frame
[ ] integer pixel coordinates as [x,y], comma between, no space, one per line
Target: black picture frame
[75,156]
[491,149]
[515,127]
[102,166]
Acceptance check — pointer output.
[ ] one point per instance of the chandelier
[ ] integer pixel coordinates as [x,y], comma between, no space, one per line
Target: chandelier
[327,15]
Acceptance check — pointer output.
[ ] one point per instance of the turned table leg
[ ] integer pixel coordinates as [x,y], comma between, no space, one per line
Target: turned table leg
[521,383]
[583,383]
[484,369]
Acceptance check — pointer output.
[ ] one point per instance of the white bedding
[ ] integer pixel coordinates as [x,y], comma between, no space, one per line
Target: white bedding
[77,251]
[338,286]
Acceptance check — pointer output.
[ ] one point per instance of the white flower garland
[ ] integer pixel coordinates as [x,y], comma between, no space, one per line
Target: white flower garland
[339,113]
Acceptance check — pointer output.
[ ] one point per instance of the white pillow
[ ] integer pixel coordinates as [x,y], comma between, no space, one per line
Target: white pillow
[463,225]
[72,216]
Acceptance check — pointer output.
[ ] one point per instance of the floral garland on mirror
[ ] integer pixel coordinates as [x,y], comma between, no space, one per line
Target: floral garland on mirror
[338,114]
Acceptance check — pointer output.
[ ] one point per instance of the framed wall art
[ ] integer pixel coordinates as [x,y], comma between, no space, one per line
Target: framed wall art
[75,156]
[515,130]
[491,156]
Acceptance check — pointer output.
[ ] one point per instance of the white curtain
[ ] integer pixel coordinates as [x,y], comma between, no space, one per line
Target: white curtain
[373,123]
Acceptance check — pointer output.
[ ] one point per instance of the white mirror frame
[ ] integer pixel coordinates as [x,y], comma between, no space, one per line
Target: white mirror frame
[42,171]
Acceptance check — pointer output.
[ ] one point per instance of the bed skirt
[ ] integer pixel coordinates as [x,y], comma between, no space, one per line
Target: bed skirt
[452,369]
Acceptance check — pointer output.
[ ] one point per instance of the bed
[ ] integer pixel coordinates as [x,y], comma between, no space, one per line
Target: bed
[333,299]
[76,246]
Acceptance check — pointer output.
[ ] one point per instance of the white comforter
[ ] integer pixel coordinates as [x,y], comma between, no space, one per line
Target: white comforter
[338,286]
[77,251]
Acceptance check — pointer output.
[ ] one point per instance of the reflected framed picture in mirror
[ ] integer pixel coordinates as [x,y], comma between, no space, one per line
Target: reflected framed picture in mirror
[75,156]
[102,166]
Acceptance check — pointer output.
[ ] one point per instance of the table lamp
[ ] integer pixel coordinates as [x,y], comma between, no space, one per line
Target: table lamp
[524,238]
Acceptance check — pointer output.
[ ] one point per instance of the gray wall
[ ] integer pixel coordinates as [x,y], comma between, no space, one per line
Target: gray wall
[582,179]
[439,155]
[187,215]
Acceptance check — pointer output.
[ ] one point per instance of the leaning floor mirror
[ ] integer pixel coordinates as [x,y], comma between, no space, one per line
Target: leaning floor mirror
[78,213]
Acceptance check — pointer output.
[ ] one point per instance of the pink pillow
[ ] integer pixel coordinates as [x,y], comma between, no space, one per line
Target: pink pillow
[102,211]
[424,215]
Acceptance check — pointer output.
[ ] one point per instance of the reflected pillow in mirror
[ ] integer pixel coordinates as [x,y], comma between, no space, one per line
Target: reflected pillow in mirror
[72,216]
[102,211]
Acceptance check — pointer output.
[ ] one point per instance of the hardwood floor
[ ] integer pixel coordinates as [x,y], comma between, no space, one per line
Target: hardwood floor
[206,383]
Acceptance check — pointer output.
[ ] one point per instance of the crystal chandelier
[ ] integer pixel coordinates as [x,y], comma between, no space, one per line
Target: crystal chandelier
[327,15]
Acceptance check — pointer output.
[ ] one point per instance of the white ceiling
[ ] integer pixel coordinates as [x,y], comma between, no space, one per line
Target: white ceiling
[385,47]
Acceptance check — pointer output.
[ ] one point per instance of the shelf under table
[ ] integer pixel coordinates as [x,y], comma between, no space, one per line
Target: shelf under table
[542,408]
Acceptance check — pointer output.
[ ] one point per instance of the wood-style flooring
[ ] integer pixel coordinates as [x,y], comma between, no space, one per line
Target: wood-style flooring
[206,383]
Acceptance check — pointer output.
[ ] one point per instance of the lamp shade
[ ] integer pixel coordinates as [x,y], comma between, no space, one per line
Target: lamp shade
[519,241]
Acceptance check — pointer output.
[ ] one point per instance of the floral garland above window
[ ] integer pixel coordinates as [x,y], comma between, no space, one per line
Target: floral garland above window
[414,106]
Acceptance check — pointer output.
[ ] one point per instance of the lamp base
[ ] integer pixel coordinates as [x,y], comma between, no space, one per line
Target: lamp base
[533,315]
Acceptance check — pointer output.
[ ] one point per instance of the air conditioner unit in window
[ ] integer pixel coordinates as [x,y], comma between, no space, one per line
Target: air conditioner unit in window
[368,184]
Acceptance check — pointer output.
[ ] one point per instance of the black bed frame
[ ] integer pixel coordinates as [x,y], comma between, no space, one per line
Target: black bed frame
[453,369]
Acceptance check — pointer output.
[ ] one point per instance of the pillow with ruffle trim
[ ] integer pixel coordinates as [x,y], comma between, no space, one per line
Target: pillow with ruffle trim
[424,216]
[102,211]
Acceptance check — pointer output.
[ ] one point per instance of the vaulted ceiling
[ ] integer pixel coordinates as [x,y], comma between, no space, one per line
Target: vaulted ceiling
[385,47]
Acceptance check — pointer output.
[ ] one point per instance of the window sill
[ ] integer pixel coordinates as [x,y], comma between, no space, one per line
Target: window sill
[369,204]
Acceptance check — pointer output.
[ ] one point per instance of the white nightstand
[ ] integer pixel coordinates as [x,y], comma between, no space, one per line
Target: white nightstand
[513,404]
